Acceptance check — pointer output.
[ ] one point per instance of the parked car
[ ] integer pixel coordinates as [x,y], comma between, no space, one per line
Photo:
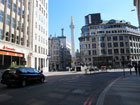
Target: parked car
[21,76]
[94,68]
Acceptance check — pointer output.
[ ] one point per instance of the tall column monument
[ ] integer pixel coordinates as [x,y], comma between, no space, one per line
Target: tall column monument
[72,26]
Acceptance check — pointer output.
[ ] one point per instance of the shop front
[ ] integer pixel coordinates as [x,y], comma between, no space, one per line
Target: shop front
[10,57]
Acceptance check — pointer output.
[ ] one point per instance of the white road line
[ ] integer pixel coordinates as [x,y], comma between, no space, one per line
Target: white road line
[100,100]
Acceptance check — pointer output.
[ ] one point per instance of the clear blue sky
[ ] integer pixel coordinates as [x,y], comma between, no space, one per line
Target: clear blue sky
[60,12]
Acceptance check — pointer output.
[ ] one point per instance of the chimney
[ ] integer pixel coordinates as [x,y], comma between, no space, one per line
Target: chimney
[62,31]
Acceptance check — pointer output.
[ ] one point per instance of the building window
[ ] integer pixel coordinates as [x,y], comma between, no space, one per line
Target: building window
[1,16]
[35,36]
[115,44]
[109,45]
[13,22]
[2,1]
[35,63]
[7,19]
[38,49]
[110,51]
[18,10]
[40,7]
[116,51]
[36,3]
[35,48]
[121,44]
[93,39]
[102,45]
[14,7]
[126,44]
[94,52]
[127,51]
[108,38]
[115,38]
[0,33]
[122,51]
[35,24]
[126,38]
[83,46]
[103,51]
[89,52]
[101,38]
[93,45]
[39,38]
[121,37]
[89,46]
[9,4]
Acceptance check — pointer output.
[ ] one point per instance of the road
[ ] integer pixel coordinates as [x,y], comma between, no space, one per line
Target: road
[73,89]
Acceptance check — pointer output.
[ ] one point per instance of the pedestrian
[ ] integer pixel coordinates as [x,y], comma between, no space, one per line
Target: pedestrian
[39,68]
[130,66]
[139,68]
[136,68]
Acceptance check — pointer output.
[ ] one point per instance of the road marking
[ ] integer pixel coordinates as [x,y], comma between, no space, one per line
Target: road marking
[89,100]
[100,100]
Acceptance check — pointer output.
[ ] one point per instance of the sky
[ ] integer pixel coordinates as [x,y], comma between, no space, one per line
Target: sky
[60,12]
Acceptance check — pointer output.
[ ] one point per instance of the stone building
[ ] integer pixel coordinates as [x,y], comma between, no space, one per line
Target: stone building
[113,43]
[60,52]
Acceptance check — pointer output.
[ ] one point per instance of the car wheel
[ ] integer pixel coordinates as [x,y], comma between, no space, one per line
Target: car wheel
[23,83]
[42,80]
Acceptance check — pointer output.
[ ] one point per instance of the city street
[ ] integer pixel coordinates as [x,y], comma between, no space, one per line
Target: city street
[72,89]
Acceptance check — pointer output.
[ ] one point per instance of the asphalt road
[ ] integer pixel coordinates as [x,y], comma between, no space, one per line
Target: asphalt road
[73,89]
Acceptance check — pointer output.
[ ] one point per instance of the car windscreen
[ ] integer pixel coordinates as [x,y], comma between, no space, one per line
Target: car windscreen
[36,71]
[30,70]
[22,70]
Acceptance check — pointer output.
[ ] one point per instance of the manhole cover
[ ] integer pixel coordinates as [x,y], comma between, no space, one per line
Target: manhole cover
[78,91]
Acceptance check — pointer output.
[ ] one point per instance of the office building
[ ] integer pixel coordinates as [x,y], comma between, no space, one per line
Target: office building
[56,54]
[109,43]
[60,53]
[18,30]
[40,35]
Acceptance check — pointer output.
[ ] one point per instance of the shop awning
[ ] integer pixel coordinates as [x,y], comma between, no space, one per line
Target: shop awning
[11,53]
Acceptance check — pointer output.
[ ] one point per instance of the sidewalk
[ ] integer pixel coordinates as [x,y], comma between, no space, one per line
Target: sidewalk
[61,73]
[123,91]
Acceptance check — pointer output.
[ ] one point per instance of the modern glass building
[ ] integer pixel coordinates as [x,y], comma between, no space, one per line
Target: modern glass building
[111,43]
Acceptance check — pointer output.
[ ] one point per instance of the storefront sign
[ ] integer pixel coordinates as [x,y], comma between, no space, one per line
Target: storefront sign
[7,48]
[30,54]
[11,53]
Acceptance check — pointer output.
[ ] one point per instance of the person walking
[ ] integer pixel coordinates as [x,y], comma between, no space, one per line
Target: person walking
[139,68]
[136,68]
